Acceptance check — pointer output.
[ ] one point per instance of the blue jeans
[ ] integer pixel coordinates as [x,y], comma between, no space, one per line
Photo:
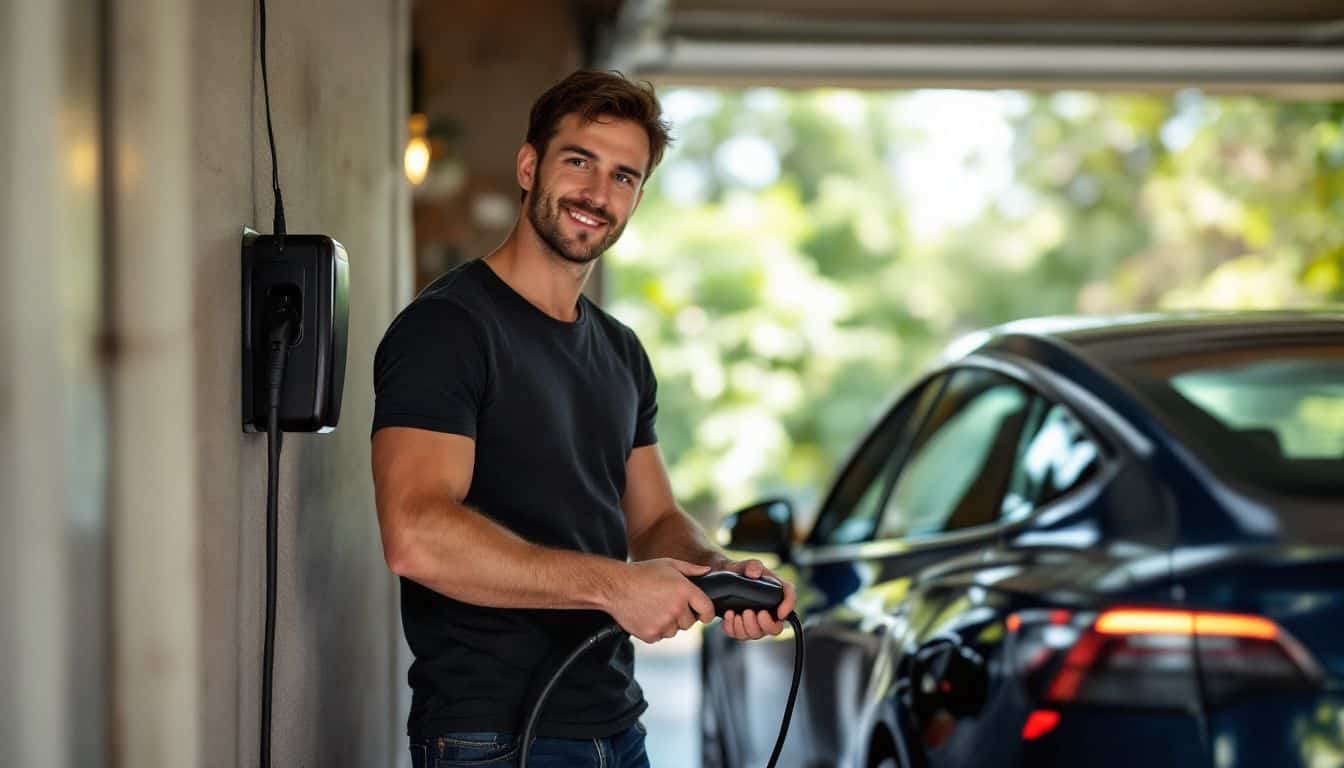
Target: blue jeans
[500,750]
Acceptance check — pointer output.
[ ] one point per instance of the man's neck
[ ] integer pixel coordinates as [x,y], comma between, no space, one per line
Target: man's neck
[538,274]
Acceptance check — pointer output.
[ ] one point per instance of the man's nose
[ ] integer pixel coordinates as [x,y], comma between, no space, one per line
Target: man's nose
[597,191]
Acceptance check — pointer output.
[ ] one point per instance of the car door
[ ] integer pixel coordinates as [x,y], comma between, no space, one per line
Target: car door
[959,701]
[941,511]
[747,683]
[925,491]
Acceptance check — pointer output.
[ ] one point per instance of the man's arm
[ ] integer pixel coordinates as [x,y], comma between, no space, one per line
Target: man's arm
[432,538]
[657,527]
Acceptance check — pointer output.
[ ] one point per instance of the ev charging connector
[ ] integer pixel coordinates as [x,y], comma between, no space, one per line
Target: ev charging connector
[309,276]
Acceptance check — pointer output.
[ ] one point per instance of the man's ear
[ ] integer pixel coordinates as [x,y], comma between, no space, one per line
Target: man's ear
[526,167]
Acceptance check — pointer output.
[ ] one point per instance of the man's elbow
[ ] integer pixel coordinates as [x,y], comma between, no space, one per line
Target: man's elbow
[400,551]
[401,559]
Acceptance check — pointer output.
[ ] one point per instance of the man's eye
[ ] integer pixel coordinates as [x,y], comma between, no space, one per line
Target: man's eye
[577,162]
[624,178]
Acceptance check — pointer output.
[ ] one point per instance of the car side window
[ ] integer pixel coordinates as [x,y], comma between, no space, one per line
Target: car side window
[960,463]
[1056,456]
[850,515]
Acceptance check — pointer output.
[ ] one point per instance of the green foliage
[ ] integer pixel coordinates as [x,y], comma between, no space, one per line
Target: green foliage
[800,256]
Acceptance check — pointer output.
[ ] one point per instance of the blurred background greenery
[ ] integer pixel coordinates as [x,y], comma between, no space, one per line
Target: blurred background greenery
[800,255]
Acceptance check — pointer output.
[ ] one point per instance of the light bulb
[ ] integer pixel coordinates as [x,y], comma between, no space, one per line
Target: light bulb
[417,159]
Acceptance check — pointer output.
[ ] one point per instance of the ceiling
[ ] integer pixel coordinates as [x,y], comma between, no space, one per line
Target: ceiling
[1028,10]
[1284,45]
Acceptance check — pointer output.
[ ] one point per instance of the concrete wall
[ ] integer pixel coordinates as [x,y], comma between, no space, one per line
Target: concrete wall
[52,405]
[338,73]
[132,153]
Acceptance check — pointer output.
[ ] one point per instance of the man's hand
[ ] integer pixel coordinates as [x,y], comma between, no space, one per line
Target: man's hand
[654,600]
[753,625]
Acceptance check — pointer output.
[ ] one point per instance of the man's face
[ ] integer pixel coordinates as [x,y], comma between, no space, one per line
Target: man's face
[587,185]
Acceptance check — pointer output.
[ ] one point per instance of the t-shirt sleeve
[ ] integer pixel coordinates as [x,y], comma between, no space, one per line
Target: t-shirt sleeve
[431,370]
[647,384]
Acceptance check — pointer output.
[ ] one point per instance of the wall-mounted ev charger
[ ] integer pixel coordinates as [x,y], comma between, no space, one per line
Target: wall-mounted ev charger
[296,316]
[308,276]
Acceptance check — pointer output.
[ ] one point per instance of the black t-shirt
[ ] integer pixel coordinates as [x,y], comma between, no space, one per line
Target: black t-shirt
[555,409]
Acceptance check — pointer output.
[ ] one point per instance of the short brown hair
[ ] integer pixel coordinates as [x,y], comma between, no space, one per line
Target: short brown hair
[593,94]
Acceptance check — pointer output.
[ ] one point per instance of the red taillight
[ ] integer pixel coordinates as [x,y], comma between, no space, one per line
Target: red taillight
[1039,723]
[1232,625]
[1142,621]
[1147,657]
[1077,664]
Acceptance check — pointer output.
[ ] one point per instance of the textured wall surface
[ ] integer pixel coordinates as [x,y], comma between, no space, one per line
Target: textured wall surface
[46,376]
[338,73]
[483,64]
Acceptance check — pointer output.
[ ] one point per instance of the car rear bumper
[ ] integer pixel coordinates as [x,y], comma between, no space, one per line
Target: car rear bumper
[1115,739]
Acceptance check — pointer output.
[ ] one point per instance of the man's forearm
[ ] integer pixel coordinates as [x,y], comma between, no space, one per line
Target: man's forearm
[677,534]
[458,552]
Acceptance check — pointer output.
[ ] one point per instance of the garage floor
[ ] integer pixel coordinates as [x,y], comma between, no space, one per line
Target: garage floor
[669,672]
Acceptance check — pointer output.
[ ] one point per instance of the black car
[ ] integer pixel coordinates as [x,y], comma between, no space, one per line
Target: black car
[1082,542]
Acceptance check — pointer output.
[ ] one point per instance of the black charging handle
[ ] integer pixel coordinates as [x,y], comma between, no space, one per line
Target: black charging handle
[731,591]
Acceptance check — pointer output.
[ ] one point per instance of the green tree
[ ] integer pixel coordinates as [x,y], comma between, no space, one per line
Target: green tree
[784,274]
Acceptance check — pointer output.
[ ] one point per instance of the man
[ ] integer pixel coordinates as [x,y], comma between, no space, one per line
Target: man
[517,466]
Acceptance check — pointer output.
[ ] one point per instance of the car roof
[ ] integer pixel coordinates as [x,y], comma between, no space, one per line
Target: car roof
[1116,339]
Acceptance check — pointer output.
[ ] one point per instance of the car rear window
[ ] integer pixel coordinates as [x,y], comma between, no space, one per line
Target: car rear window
[1269,416]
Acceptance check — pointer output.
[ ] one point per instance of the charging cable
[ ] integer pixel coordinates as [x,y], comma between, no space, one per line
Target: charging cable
[612,630]
[278,226]
[282,324]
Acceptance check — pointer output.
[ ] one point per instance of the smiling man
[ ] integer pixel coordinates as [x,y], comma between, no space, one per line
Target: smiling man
[521,495]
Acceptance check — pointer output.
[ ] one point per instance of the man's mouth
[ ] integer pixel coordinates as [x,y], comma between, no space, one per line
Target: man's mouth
[587,220]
